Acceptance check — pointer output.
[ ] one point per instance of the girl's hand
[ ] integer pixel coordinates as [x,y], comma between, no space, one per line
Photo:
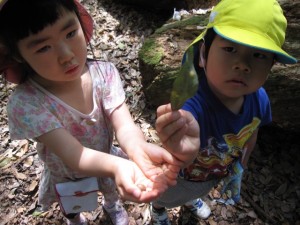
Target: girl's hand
[157,164]
[134,186]
[179,132]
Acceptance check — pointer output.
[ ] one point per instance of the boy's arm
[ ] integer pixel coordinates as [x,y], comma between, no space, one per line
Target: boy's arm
[249,147]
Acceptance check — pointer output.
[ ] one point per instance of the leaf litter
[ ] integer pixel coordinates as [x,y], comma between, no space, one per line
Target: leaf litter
[270,189]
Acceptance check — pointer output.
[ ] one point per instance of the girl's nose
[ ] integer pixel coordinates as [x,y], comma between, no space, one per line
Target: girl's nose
[65,54]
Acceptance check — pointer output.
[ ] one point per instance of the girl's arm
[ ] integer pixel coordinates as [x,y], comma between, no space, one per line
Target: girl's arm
[90,162]
[156,163]
[179,133]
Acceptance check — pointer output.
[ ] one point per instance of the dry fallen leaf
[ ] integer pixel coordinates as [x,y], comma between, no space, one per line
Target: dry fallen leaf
[33,185]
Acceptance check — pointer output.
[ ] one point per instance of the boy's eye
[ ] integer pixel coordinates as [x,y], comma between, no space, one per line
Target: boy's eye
[259,55]
[43,49]
[71,34]
[229,49]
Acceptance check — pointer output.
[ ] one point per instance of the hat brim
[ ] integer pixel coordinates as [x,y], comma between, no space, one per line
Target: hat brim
[86,20]
[254,40]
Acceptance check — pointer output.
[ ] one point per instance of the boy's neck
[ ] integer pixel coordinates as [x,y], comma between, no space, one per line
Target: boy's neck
[234,105]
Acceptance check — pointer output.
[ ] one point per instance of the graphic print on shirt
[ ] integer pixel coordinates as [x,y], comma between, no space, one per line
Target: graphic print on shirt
[215,159]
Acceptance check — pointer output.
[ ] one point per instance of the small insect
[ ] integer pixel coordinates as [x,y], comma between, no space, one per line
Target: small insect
[142,187]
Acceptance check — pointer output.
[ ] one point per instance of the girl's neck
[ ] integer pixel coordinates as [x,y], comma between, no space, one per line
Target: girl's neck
[77,93]
[56,87]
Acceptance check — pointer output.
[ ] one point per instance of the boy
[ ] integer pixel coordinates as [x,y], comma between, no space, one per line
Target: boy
[233,58]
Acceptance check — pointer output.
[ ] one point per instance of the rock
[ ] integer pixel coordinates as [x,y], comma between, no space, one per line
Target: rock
[169,5]
[160,56]
[160,60]
[156,5]
[283,88]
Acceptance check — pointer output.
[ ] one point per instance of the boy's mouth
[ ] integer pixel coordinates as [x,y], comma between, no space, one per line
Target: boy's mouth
[237,82]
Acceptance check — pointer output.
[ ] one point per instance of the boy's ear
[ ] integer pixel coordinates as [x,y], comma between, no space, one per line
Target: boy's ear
[202,61]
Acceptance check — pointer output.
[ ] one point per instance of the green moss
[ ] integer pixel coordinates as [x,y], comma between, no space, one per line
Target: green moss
[200,20]
[151,53]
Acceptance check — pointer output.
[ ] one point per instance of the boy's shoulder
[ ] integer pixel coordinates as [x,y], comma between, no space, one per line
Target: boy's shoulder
[261,94]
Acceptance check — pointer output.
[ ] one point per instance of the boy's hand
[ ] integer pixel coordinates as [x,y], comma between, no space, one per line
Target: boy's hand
[179,132]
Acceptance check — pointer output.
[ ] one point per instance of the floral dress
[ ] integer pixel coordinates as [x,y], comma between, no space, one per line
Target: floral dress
[33,111]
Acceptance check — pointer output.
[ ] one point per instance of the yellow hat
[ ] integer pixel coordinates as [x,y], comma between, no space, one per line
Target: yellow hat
[256,23]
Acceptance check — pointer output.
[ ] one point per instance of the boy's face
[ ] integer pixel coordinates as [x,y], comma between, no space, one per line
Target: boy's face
[234,70]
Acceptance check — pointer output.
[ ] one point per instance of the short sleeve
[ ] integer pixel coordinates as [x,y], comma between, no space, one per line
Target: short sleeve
[113,92]
[28,117]
[265,107]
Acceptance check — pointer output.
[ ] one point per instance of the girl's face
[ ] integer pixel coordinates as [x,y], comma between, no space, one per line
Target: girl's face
[58,52]
[234,70]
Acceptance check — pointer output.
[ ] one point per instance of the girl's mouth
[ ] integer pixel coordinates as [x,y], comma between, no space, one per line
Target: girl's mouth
[72,69]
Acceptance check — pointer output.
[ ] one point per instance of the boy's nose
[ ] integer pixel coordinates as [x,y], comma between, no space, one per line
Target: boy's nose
[242,64]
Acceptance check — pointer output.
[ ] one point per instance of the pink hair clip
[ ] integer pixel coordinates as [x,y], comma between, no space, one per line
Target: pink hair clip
[2,2]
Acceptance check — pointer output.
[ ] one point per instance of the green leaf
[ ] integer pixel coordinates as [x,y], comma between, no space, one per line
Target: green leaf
[4,162]
[186,84]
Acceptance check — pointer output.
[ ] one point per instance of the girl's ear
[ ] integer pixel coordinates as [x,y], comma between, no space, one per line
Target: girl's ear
[18,59]
[202,61]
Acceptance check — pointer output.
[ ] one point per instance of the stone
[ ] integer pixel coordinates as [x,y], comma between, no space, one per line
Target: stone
[161,54]
[155,5]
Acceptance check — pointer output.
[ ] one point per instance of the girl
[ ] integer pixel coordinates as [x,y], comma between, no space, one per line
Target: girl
[71,105]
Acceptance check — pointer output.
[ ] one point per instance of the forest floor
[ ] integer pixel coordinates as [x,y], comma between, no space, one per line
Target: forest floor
[271,185]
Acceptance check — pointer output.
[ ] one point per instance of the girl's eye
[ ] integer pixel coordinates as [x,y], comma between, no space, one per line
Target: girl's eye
[71,34]
[229,49]
[43,49]
[259,55]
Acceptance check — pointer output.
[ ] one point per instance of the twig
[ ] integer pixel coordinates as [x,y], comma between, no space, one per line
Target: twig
[24,157]
[256,207]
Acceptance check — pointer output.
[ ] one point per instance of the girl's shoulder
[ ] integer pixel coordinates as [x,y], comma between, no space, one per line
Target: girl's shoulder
[24,92]
[104,66]
[102,71]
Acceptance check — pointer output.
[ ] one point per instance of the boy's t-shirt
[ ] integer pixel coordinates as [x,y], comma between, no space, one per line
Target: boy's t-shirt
[223,134]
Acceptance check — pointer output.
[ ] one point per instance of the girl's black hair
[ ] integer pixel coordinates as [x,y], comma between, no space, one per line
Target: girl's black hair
[21,18]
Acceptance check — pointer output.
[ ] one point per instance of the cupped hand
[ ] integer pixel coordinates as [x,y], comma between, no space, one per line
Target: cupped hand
[157,163]
[133,185]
